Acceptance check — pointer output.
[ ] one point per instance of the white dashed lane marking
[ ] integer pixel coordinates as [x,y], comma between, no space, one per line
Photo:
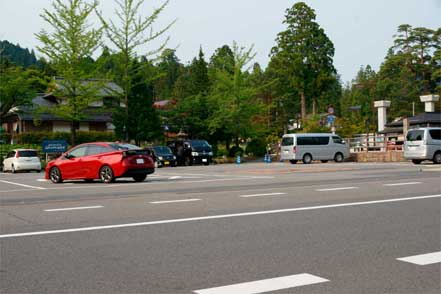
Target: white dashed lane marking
[261,195]
[423,259]
[402,184]
[267,285]
[174,201]
[73,208]
[336,189]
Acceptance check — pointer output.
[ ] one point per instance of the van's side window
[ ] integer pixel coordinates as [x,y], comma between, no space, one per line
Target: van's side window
[435,134]
[312,140]
[287,141]
[337,140]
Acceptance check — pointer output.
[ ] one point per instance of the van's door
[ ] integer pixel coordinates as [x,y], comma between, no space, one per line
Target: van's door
[287,148]
[414,145]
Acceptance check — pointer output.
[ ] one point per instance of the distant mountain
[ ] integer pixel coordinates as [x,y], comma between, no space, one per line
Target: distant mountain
[17,55]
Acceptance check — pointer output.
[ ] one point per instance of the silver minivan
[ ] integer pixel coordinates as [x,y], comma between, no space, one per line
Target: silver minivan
[309,146]
[423,144]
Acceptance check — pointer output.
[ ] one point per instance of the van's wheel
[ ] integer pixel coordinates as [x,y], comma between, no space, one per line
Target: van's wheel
[139,178]
[307,158]
[416,161]
[293,161]
[437,158]
[106,174]
[339,157]
[55,175]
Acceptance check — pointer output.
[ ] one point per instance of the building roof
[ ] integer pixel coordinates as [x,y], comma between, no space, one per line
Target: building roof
[421,120]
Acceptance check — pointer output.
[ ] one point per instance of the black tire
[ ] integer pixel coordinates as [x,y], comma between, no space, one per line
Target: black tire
[55,175]
[13,169]
[437,158]
[324,161]
[416,161]
[207,163]
[339,157]
[293,161]
[106,174]
[139,178]
[307,158]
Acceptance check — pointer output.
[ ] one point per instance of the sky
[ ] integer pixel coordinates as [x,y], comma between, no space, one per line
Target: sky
[361,30]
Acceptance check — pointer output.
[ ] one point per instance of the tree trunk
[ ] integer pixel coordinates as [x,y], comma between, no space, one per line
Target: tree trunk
[303,105]
[314,107]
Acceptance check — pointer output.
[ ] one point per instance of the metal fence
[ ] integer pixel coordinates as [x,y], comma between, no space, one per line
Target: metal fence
[374,142]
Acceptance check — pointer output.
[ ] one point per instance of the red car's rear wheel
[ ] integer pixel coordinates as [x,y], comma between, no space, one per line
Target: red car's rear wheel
[106,174]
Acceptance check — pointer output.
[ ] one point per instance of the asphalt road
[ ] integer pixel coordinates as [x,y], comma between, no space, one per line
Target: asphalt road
[226,229]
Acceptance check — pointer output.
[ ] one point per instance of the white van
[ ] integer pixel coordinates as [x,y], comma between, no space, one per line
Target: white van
[309,147]
[423,144]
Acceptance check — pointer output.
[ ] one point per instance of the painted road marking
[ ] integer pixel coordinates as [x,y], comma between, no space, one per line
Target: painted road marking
[42,180]
[174,177]
[73,208]
[336,189]
[221,216]
[266,285]
[260,195]
[23,185]
[402,184]
[423,259]
[174,201]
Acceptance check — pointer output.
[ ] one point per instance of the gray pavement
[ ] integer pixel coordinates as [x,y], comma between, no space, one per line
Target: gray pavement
[320,228]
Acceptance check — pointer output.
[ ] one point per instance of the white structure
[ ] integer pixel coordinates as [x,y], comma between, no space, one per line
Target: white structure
[382,113]
[429,101]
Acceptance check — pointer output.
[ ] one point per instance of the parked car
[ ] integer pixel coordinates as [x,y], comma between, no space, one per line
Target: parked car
[309,147]
[189,152]
[163,155]
[423,144]
[104,161]
[22,160]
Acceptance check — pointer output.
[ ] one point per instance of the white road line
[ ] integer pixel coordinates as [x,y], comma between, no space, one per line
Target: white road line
[336,189]
[174,201]
[402,184]
[23,185]
[266,285]
[42,180]
[73,208]
[221,216]
[260,195]
[423,259]
[174,177]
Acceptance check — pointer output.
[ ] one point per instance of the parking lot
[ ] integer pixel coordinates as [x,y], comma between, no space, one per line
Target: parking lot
[320,228]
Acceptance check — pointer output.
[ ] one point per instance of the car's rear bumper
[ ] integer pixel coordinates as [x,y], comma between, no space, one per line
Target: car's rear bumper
[137,171]
[27,166]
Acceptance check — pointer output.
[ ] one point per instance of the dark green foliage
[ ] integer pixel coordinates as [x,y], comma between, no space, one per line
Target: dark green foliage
[235,150]
[82,137]
[17,55]
[256,147]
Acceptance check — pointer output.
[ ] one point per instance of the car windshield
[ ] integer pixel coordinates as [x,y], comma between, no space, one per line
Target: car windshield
[415,135]
[123,146]
[199,143]
[162,150]
[27,153]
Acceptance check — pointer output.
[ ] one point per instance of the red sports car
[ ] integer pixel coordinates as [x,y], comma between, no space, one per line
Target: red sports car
[104,161]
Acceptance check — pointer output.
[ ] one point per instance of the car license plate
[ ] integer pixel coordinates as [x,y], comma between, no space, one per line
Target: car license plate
[204,160]
[139,160]
[166,162]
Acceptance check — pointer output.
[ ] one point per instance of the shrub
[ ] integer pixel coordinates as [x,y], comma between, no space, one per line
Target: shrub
[256,147]
[234,151]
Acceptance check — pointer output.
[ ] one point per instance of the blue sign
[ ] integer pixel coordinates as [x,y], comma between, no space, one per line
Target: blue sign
[54,146]
[331,119]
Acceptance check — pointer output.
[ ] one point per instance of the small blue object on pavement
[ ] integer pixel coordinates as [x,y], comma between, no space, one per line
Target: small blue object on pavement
[238,159]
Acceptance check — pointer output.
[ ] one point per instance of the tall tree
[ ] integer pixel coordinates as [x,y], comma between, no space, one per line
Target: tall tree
[303,53]
[131,32]
[70,43]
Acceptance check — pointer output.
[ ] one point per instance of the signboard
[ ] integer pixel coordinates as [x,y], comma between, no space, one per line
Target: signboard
[331,119]
[54,146]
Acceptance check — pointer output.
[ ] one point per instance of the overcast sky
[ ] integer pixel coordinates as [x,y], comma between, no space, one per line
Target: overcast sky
[361,30]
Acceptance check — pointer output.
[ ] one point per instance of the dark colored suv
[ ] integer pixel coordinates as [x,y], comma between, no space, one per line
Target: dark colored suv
[189,152]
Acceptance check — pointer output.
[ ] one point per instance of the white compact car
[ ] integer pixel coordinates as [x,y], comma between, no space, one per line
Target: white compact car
[22,160]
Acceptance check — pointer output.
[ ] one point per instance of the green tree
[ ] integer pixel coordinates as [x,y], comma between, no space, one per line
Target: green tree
[169,68]
[68,47]
[127,35]
[234,102]
[304,54]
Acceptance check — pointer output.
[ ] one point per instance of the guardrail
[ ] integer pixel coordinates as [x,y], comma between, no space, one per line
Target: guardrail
[369,143]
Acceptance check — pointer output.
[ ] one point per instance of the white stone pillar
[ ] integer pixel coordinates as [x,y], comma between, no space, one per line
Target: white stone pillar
[382,113]
[429,102]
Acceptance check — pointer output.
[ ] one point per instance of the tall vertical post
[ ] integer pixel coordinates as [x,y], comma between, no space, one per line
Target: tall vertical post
[382,106]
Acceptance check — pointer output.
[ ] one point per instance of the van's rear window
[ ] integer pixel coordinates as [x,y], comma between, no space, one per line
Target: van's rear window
[415,135]
[287,141]
[27,153]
